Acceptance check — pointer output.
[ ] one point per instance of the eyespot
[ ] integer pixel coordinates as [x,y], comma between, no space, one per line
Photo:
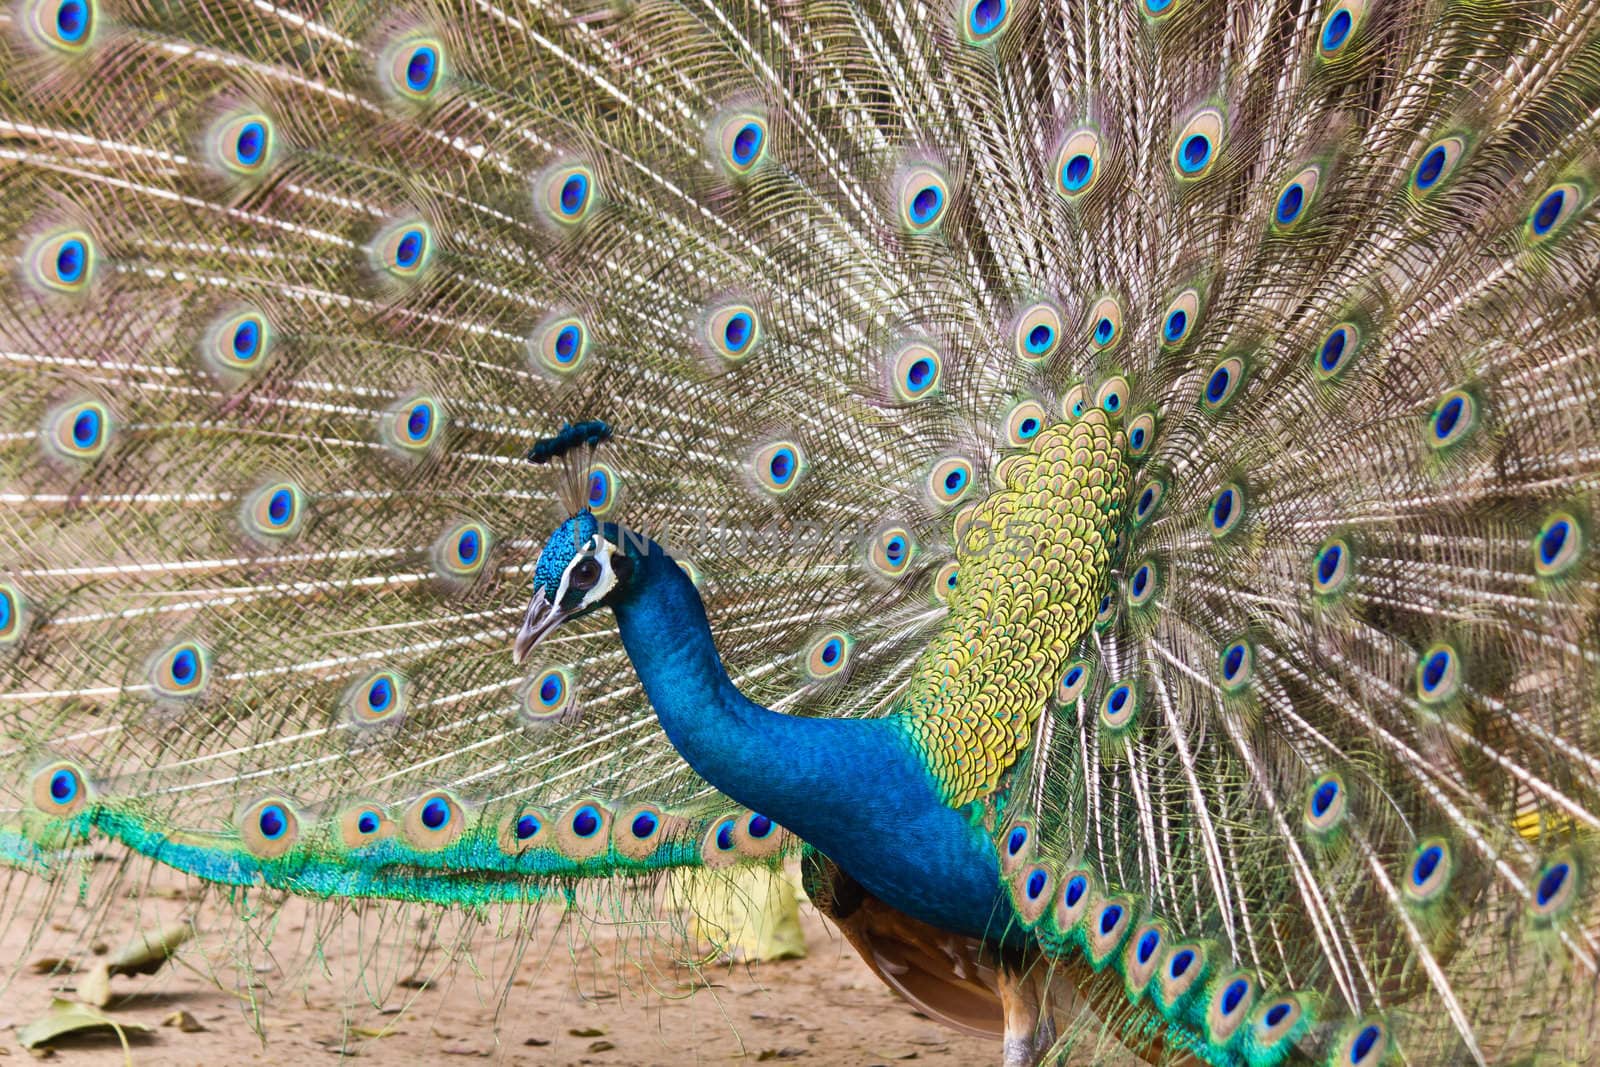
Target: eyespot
[1554,888]
[733,331]
[1112,396]
[269,828]
[1223,384]
[891,551]
[1197,145]
[237,342]
[944,581]
[433,821]
[1105,322]
[1436,164]
[915,371]
[179,672]
[549,698]
[379,697]
[1149,498]
[602,491]
[1106,612]
[1331,569]
[1453,419]
[1557,546]
[1340,27]
[1037,332]
[559,344]
[1226,510]
[984,19]
[1336,350]
[64,25]
[778,467]
[61,262]
[950,480]
[402,250]
[1428,874]
[1160,8]
[1108,926]
[413,67]
[1177,322]
[741,141]
[461,550]
[78,431]
[565,192]
[1236,665]
[13,615]
[1078,164]
[1554,210]
[923,195]
[60,789]
[1438,674]
[828,655]
[1184,969]
[1229,1005]
[1141,434]
[1119,706]
[1325,804]
[1141,585]
[361,825]
[412,426]
[1075,402]
[274,510]
[1024,423]
[1295,196]
[242,143]
[1074,680]
[1365,1046]
[1276,1021]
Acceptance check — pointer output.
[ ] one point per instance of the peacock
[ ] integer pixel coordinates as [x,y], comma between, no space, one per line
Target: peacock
[1110,484]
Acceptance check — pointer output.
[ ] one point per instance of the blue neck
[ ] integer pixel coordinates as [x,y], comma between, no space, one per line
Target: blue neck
[857,789]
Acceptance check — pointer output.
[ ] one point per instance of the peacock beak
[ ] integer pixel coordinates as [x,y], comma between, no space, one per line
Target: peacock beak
[542,617]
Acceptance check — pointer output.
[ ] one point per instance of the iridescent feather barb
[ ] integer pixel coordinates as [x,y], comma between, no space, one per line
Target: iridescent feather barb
[1130,469]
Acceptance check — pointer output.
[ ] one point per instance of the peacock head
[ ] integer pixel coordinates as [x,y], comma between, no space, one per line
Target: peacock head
[579,570]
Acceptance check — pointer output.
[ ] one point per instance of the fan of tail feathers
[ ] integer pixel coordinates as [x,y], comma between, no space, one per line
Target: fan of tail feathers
[294,288]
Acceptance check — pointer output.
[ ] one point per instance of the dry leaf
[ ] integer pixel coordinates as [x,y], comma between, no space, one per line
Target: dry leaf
[185,1022]
[71,1017]
[894,1054]
[588,1031]
[537,1042]
[150,949]
[94,986]
[601,1046]
[786,1053]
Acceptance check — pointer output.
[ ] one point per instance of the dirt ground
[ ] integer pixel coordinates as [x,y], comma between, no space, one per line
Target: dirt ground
[579,992]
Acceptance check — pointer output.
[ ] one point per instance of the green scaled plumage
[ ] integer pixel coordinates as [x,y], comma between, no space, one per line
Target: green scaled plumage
[292,290]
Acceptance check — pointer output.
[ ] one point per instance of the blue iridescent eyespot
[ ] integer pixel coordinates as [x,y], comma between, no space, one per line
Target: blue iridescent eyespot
[1336,31]
[272,821]
[64,25]
[13,617]
[778,466]
[1142,586]
[63,786]
[1119,707]
[1290,202]
[180,671]
[1430,870]
[461,550]
[559,344]
[413,425]
[1234,995]
[78,432]
[1073,682]
[1180,963]
[1236,665]
[1023,423]
[725,840]
[566,192]
[1037,332]
[1196,146]
[602,492]
[1223,383]
[1149,498]
[1110,916]
[1074,890]
[891,551]
[1016,839]
[468,545]
[585,821]
[1158,8]
[923,195]
[412,67]
[1180,317]
[241,144]
[1078,164]
[915,370]
[1141,432]
[1438,674]
[1557,545]
[60,262]
[1325,804]
[733,331]
[986,18]
[376,698]
[269,828]
[549,698]
[738,139]
[1149,941]
[368,823]
[1554,210]
[758,827]
[435,813]
[644,824]
[1331,568]
[1455,417]
[1550,883]
[1036,884]
[1227,510]
[237,342]
[828,655]
[1367,1046]
[403,249]
[1333,355]
[1436,164]
[950,479]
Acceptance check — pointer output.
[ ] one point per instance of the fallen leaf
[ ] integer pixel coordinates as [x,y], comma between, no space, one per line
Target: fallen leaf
[94,986]
[369,1032]
[413,982]
[588,1031]
[786,1053]
[601,1046]
[50,964]
[71,1017]
[537,1042]
[185,1022]
[895,1053]
[464,1050]
[150,949]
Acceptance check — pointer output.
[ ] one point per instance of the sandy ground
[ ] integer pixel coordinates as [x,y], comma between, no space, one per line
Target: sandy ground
[589,992]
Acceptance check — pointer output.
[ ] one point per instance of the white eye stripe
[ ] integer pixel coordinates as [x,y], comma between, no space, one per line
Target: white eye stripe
[599,550]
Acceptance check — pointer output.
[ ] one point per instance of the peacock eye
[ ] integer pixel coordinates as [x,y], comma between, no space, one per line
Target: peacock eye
[585,574]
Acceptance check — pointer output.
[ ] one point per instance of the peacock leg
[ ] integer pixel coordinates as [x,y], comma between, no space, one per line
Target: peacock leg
[1022,998]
